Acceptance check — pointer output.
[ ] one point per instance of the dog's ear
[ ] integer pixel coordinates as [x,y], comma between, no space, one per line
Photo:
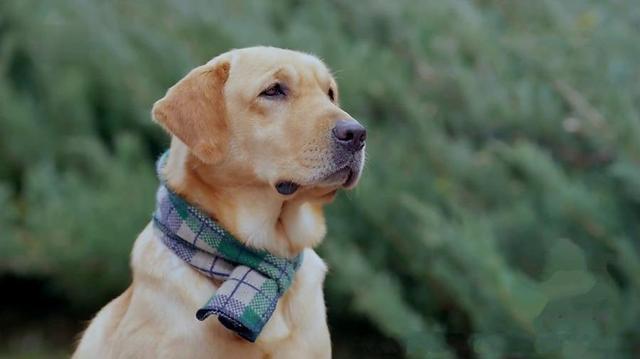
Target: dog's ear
[194,110]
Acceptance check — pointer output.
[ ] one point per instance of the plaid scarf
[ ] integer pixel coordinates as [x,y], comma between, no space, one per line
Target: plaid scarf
[253,280]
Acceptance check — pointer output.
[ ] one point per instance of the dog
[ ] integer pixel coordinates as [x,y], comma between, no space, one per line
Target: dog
[260,144]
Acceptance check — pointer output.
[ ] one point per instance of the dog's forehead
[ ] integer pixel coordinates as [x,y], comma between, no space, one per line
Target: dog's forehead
[256,61]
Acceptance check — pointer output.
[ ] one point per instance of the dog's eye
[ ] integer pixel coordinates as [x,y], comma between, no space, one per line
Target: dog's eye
[274,91]
[331,95]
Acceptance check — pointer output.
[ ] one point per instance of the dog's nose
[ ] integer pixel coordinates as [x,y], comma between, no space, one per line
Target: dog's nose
[350,134]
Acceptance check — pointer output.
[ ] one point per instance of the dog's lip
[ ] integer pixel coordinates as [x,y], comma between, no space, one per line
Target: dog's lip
[345,177]
[351,179]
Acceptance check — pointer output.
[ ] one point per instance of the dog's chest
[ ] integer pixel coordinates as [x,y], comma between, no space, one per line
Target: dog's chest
[176,292]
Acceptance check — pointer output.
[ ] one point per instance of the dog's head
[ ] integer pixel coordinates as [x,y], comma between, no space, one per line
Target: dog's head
[266,116]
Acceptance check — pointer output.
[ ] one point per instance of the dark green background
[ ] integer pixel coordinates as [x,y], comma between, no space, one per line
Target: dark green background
[498,216]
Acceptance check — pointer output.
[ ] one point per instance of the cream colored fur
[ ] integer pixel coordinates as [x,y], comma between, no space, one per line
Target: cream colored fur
[229,148]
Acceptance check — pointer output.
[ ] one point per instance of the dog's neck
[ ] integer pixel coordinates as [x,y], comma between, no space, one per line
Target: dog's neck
[254,213]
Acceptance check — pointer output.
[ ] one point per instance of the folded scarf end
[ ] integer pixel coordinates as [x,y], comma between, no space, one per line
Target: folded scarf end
[229,323]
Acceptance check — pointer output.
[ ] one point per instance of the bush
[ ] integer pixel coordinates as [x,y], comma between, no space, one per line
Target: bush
[498,215]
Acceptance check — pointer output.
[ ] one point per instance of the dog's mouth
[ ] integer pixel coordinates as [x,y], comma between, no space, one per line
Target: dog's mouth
[345,174]
[344,177]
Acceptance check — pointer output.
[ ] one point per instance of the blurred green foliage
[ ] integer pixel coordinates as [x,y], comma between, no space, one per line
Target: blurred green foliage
[499,213]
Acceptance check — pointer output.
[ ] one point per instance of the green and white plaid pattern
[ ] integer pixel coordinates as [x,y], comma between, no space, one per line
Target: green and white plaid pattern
[253,280]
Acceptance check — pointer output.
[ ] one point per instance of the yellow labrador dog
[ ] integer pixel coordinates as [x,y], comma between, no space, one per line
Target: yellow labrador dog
[259,143]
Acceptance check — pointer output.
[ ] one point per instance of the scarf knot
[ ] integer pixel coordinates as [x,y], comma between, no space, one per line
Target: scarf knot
[252,280]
